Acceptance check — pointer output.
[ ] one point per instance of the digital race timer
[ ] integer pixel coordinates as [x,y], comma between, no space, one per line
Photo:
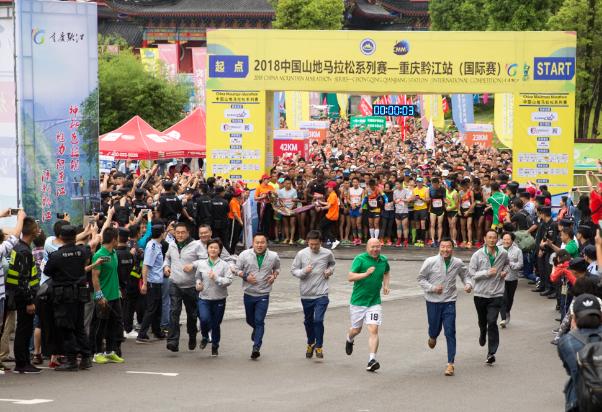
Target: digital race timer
[393,110]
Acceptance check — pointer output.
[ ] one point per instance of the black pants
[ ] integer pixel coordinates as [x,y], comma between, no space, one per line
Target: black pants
[107,327]
[233,235]
[386,226]
[326,229]
[152,315]
[23,334]
[177,296]
[509,291]
[220,231]
[488,310]
[544,269]
[73,337]
[134,304]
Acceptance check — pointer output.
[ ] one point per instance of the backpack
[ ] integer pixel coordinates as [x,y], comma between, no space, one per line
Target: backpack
[588,386]
[502,212]
[524,241]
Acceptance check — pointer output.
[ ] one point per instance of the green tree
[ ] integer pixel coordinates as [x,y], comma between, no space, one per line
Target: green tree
[585,17]
[516,15]
[126,90]
[458,15]
[309,14]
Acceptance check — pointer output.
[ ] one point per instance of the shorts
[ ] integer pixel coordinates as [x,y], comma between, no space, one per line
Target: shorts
[373,215]
[369,315]
[478,212]
[401,216]
[277,216]
[437,212]
[452,213]
[355,212]
[421,214]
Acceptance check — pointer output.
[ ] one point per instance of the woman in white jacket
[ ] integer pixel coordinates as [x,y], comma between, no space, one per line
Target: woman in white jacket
[515,260]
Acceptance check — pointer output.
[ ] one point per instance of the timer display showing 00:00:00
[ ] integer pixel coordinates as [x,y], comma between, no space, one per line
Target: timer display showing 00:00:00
[393,110]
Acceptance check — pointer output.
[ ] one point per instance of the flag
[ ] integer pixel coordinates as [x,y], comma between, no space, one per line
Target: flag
[432,110]
[462,110]
[444,103]
[429,141]
[503,117]
[343,100]
[485,98]
[365,106]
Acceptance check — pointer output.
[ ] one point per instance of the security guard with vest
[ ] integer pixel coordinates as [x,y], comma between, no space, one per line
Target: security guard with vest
[22,283]
[68,295]
[219,209]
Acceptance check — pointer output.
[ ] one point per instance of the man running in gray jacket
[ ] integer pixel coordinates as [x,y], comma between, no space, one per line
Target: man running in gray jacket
[313,266]
[488,269]
[437,278]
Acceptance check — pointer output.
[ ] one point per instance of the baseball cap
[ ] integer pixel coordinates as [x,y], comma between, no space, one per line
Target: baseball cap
[237,192]
[419,179]
[281,180]
[445,173]
[331,184]
[265,176]
[586,304]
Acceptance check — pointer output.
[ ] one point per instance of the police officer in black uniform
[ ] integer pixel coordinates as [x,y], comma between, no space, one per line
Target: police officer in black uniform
[22,283]
[170,206]
[139,203]
[219,214]
[69,294]
[203,206]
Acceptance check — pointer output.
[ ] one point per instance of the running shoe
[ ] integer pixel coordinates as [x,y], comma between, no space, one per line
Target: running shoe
[204,343]
[319,353]
[255,353]
[113,358]
[405,243]
[100,359]
[468,245]
[373,366]
[389,243]
[172,346]
[462,244]
[432,343]
[29,369]
[429,242]
[490,359]
[382,242]
[503,324]
[309,352]
[335,244]
[398,243]
[142,339]
[214,351]
[37,359]
[449,371]
[348,347]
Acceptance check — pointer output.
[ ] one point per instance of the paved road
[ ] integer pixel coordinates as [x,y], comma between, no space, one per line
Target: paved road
[528,376]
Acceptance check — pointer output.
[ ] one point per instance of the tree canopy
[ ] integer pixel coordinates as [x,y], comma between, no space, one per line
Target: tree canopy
[309,14]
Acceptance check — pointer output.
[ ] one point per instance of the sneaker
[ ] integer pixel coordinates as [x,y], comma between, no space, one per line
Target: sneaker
[432,343]
[204,343]
[435,244]
[142,339]
[85,363]
[131,335]
[191,342]
[53,364]
[405,243]
[214,351]
[382,242]
[309,351]
[172,346]
[69,366]
[503,324]
[113,358]
[429,242]
[348,347]
[3,367]
[335,244]
[555,340]
[482,338]
[160,336]
[100,359]
[373,366]
[255,353]
[490,359]
[37,359]
[389,243]
[319,353]
[29,369]
[449,371]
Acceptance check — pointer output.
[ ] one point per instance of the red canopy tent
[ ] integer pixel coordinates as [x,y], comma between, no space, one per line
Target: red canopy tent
[191,129]
[137,140]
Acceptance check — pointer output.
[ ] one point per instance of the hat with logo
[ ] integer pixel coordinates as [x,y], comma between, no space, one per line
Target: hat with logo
[586,304]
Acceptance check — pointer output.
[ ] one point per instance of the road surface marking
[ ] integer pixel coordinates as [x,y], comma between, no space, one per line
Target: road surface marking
[171,374]
[26,401]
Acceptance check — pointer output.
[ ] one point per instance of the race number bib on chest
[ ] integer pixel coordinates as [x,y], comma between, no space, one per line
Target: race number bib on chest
[437,203]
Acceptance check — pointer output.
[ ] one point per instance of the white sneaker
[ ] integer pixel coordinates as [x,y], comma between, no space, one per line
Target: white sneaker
[503,324]
[132,335]
[334,245]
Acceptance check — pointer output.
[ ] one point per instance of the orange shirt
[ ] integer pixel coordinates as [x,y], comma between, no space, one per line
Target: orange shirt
[333,207]
[234,209]
[261,190]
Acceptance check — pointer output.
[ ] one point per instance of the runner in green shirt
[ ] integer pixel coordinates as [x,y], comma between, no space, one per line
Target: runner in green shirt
[495,201]
[369,272]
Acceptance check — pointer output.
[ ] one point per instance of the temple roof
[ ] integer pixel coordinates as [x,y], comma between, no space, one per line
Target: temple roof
[407,7]
[372,11]
[192,7]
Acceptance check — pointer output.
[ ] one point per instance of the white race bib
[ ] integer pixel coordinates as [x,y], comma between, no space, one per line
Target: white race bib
[372,203]
[389,206]
[418,202]
[466,204]
[437,203]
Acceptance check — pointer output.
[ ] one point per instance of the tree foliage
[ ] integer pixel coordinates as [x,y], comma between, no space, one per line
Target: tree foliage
[126,90]
[309,14]
[458,15]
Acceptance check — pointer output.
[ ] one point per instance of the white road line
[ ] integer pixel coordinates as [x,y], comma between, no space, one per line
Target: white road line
[26,401]
[170,374]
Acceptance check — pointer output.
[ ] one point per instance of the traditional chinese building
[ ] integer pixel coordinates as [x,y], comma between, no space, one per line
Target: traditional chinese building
[184,22]
[387,14]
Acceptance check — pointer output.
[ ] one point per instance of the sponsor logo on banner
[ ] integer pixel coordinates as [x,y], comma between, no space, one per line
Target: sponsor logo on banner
[37,35]
[236,127]
[544,131]
[236,114]
[544,116]
[314,124]
[554,68]
[401,48]
[512,69]
[228,66]
[478,127]
[368,47]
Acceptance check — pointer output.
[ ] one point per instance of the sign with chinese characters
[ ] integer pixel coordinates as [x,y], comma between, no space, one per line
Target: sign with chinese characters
[543,140]
[370,122]
[288,143]
[236,146]
[369,61]
[57,108]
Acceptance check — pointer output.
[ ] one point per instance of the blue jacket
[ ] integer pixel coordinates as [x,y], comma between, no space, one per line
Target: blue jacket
[568,346]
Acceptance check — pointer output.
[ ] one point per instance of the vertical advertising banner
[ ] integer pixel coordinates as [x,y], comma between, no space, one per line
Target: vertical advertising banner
[199,71]
[297,108]
[543,144]
[236,124]
[57,103]
[504,117]
[8,119]
[150,59]
[168,54]
[432,108]
[462,110]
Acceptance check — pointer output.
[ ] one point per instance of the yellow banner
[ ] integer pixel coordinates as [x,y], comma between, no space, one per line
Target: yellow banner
[543,143]
[297,108]
[343,99]
[433,109]
[503,118]
[150,59]
[381,62]
[236,130]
